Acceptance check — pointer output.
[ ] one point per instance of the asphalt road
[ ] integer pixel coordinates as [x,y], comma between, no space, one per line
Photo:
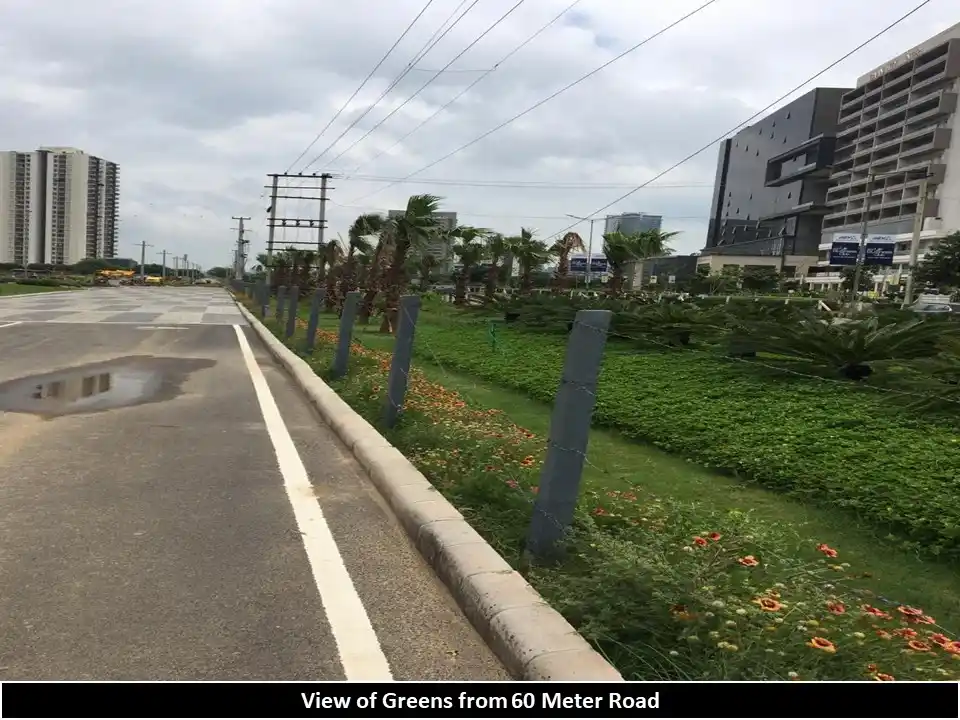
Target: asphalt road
[172,509]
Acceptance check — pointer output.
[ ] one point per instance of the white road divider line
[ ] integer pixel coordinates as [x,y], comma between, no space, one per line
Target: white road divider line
[9,324]
[359,648]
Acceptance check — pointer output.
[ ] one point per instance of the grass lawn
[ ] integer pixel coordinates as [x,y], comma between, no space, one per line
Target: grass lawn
[16,289]
[615,461]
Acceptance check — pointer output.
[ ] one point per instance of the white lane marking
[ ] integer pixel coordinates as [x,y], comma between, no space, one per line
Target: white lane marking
[361,656]
[9,324]
[160,327]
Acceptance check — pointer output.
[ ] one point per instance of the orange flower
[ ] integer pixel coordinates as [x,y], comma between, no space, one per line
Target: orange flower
[599,511]
[884,677]
[714,536]
[837,608]
[819,643]
[953,648]
[939,639]
[699,542]
[910,611]
[768,604]
[871,668]
[827,550]
[919,646]
[884,635]
[749,561]
[905,633]
[919,620]
[876,612]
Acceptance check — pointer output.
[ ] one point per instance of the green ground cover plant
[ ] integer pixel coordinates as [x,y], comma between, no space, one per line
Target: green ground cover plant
[824,442]
[665,589]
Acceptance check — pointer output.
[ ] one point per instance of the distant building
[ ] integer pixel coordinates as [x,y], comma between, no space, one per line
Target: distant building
[630,223]
[58,205]
[439,249]
[681,268]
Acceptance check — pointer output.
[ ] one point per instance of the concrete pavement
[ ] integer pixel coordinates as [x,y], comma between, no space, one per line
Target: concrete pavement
[171,508]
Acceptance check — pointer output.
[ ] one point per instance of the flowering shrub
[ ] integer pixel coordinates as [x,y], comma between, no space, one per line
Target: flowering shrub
[665,590]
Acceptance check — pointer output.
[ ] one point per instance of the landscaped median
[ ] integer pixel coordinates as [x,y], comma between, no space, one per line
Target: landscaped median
[665,589]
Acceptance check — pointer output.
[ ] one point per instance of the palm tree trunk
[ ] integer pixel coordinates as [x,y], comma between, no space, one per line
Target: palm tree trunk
[394,286]
[460,293]
[493,275]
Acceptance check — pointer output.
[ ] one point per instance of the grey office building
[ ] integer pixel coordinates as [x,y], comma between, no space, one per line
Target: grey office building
[769,196]
[630,223]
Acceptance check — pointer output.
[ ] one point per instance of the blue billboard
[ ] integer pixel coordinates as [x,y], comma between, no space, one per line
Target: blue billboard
[878,250]
[844,253]
[598,265]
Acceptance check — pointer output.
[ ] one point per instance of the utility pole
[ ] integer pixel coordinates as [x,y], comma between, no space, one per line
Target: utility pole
[143,258]
[274,222]
[163,267]
[915,242]
[176,267]
[323,211]
[186,266]
[864,234]
[240,260]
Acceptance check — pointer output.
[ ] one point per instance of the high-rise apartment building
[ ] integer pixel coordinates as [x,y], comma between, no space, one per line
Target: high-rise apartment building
[58,205]
[630,223]
[896,126]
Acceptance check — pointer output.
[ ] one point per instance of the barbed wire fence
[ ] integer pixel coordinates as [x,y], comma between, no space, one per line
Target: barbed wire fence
[553,502]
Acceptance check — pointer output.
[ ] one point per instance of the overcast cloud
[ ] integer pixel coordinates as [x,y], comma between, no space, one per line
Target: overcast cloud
[198,101]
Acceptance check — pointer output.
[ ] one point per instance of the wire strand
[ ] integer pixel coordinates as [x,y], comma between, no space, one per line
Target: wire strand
[547,99]
[361,86]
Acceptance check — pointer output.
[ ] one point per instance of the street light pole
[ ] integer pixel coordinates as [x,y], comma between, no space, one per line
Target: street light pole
[864,234]
[589,273]
[915,242]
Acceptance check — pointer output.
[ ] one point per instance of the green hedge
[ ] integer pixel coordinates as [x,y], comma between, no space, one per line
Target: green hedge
[821,441]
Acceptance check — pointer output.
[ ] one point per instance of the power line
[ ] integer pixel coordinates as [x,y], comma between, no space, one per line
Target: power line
[430,81]
[365,81]
[423,52]
[519,217]
[525,184]
[756,114]
[550,97]
[469,87]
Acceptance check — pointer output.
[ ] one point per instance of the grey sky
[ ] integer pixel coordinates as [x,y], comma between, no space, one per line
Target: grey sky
[197,101]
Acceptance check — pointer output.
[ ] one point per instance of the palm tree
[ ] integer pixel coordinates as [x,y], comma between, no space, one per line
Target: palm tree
[358,243]
[470,250]
[531,254]
[376,276]
[496,250]
[410,230]
[332,255]
[425,267]
[306,278]
[562,248]
[621,250]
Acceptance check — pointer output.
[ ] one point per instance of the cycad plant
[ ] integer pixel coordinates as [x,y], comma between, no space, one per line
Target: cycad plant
[850,348]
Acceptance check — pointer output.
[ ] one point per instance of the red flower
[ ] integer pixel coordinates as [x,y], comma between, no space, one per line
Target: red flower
[837,608]
[919,646]
[910,611]
[939,639]
[749,561]
[905,633]
[827,550]
[876,612]
[714,536]
[699,542]
[884,677]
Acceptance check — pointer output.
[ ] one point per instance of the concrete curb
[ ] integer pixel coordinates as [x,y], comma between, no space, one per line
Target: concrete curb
[532,640]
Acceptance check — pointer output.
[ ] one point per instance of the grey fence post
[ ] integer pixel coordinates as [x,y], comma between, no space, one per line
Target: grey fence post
[292,302]
[569,434]
[402,355]
[347,319]
[315,305]
[281,302]
[263,297]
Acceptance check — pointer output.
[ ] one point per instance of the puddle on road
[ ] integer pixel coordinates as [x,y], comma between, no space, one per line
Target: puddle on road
[123,382]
